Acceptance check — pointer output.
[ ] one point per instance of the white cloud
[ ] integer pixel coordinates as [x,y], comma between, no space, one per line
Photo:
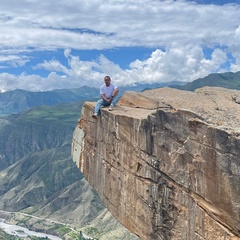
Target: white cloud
[53,65]
[13,60]
[175,64]
[10,81]
[179,31]
[122,23]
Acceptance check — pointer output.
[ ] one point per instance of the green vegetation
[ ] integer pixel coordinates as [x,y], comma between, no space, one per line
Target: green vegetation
[62,230]
[5,236]
[77,236]
[92,231]
[22,222]
[20,100]
[227,80]
[60,114]
[80,236]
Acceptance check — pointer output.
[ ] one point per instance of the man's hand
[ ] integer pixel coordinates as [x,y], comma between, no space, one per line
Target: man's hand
[110,99]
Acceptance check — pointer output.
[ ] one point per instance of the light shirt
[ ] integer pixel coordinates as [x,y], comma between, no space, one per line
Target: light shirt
[107,91]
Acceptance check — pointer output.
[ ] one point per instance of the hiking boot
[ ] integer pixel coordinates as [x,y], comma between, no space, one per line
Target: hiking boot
[111,108]
[95,115]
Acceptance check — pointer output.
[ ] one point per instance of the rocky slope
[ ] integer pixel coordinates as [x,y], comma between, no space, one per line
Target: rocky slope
[38,177]
[166,162]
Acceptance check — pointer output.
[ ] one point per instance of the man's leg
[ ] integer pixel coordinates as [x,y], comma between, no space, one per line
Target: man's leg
[99,103]
[98,106]
[114,101]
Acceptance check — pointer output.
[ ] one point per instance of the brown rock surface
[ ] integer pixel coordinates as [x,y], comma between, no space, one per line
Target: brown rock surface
[166,162]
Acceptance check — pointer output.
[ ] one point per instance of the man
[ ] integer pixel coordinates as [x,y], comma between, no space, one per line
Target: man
[108,92]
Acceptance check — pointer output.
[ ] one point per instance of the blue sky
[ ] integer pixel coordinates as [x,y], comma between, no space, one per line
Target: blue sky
[50,44]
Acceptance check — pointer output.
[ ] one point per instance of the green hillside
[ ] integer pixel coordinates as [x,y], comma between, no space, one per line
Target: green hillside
[227,80]
[35,155]
[20,100]
[38,129]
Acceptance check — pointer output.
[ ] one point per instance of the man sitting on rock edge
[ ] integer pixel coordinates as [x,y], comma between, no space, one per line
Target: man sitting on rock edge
[108,92]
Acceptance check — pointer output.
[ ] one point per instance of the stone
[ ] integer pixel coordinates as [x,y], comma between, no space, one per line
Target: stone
[236,98]
[166,162]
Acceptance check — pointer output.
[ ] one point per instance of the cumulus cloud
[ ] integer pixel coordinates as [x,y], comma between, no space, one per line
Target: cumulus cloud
[189,40]
[178,64]
[53,65]
[175,64]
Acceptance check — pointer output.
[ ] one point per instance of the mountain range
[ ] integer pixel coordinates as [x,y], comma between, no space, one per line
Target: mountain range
[20,100]
[227,80]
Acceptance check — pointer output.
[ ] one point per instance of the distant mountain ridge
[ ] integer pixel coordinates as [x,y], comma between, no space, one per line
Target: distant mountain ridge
[227,80]
[20,100]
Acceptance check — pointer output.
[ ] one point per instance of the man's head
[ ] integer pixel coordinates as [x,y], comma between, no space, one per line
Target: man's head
[107,80]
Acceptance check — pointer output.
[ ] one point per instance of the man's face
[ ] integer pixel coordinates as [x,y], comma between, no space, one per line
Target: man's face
[107,81]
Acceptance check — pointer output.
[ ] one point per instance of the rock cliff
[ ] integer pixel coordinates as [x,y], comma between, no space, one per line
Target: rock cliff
[166,162]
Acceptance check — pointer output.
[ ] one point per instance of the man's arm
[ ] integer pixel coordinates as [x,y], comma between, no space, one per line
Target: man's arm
[115,93]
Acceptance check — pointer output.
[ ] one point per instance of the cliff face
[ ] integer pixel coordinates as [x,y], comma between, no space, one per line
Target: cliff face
[166,162]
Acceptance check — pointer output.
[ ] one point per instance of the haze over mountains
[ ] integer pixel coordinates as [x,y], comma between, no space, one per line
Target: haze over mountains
[20,100]
[37,174]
